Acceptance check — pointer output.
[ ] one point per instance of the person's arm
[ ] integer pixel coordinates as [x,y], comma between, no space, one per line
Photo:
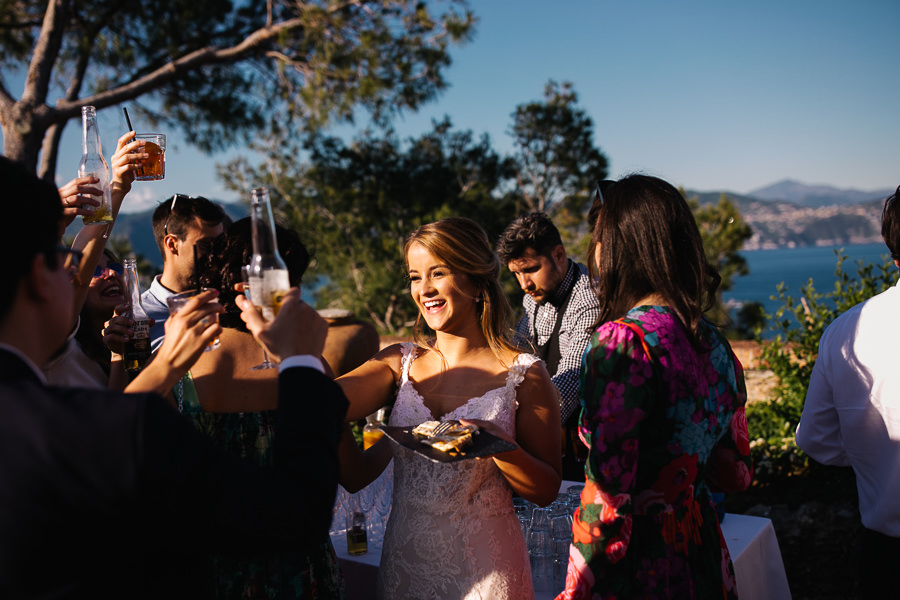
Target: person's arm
[534,469]
[372,384]
[612,419]
[298,330]
[187,335]
[92,240]
[359,468]
[819,430]
[571,348]
[729,468]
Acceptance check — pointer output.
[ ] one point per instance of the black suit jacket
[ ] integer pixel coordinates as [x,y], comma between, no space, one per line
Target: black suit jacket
[104,494]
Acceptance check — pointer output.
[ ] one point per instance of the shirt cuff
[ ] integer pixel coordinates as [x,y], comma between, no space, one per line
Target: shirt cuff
[302,360]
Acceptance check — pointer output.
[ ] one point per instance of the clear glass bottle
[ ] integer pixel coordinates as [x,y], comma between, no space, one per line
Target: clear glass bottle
[137,348]
[94,165]
[269,280]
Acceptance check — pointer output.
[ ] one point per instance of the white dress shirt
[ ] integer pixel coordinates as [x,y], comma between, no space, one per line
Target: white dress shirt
[851,416]
[154,301]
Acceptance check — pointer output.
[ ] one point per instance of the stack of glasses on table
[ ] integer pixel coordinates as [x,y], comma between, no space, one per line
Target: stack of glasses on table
[548,534]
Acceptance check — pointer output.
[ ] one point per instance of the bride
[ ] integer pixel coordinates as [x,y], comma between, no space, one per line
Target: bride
[452,531]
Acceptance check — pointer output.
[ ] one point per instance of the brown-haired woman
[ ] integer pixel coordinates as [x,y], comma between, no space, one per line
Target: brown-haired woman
[663,398]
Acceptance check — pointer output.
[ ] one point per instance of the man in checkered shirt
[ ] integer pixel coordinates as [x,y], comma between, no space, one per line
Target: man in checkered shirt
[560,308]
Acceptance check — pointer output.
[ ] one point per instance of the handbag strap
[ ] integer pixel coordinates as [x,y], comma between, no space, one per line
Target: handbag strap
[638,332]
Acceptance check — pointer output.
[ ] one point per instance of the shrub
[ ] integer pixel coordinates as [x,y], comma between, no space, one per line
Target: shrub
[791,356]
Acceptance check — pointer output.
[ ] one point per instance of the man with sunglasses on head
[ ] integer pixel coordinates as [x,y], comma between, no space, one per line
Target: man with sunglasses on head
[184,227]
[111,495]
[560,308]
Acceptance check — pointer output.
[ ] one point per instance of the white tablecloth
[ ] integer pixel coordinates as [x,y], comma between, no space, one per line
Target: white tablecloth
[751,542]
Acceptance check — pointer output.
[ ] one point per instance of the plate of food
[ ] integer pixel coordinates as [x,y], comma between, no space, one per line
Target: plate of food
[451,443]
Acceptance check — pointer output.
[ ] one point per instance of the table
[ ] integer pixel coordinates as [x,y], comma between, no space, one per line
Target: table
[751,541]
[754,550]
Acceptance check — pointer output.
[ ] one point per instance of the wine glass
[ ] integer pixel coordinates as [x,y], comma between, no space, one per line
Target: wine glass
[266,363]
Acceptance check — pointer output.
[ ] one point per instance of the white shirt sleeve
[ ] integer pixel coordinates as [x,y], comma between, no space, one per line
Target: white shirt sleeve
[302,360]
[819,431]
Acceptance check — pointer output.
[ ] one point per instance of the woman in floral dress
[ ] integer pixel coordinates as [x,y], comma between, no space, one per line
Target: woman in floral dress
[663,408]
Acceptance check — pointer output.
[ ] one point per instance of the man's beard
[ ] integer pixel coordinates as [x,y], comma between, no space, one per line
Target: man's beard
[540,296]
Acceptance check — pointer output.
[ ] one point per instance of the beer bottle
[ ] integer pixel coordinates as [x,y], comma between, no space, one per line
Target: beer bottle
[94,165]
[357,533]
[137,348]
[269,280]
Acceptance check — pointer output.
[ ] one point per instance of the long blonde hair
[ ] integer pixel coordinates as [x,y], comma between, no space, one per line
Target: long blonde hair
[463,246]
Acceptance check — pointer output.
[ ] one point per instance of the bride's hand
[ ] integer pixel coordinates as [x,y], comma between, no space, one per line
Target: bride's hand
[491,428]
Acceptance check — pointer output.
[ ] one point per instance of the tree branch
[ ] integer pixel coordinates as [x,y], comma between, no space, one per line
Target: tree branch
[171,71]
[6,100]
[46,51]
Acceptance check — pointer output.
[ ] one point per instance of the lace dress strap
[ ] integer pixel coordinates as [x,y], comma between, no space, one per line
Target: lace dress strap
[408,350]
[516,373]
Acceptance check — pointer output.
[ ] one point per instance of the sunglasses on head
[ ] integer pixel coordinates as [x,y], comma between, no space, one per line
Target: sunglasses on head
[598,200]
[172,210]
[602,186]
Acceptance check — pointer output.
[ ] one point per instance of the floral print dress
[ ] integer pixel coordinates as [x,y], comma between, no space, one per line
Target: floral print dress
[664,422]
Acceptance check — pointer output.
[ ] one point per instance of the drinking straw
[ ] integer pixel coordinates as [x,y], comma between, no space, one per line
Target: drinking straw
[130,128]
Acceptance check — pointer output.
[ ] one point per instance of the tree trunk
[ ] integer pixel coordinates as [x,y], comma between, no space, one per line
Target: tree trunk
[50,152]
[22,135]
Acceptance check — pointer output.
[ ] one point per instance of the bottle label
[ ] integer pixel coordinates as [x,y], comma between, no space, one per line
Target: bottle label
[142,329]
[137,349]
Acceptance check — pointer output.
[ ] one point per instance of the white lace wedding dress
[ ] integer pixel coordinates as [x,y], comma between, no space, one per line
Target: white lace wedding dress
[453,532]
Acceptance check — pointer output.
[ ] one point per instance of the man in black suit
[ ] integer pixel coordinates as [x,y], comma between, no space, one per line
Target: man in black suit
[104,494]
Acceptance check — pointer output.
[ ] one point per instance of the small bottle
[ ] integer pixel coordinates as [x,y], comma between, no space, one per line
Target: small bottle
[94,165]
[269,280]
[137,348]
[357,535]
[372,431]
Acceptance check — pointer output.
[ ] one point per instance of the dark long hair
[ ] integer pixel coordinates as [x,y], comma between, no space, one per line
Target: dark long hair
[221,268]
[90,334]
[650,244]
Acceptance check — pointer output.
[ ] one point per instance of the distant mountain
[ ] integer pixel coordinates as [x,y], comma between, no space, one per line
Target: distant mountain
[784,224]
[802,194]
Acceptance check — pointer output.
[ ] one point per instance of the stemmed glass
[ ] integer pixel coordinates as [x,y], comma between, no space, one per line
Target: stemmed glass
[266,363]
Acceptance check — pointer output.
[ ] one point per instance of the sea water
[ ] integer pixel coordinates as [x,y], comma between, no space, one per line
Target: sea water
[795,267]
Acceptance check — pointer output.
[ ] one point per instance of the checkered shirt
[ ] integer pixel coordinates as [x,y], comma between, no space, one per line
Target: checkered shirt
[574,331]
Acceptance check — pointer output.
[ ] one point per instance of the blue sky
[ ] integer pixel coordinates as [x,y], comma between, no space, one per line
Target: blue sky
[710,95]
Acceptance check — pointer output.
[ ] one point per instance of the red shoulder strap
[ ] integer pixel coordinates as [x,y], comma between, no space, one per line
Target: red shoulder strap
[638,332]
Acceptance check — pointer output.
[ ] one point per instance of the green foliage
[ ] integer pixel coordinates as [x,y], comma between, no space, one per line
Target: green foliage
[724,232]
[555,154]
[121,247]
[799,324]
[354,206]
